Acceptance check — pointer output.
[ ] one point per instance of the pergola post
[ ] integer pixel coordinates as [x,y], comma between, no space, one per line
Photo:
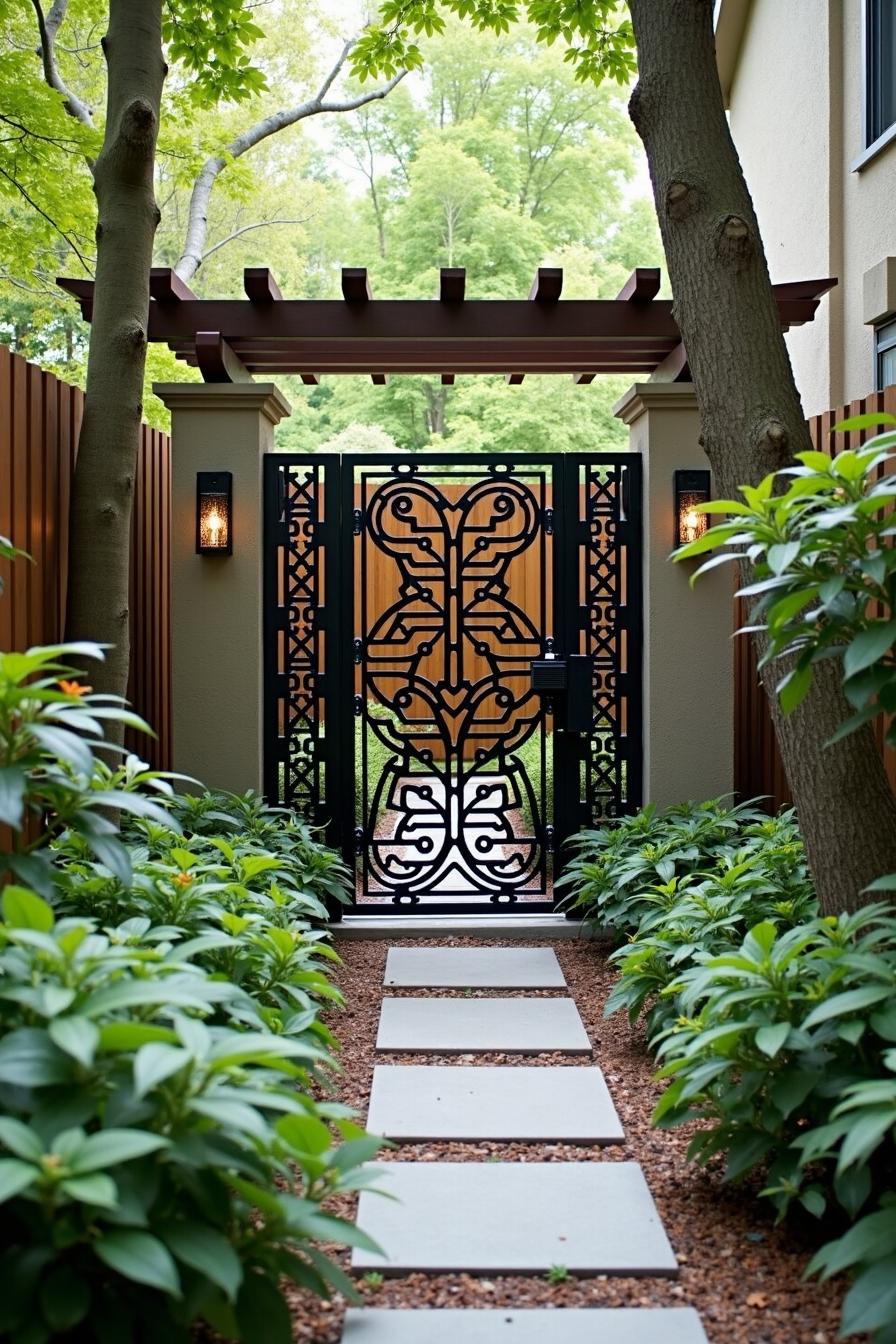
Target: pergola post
[688,648]
[217,608]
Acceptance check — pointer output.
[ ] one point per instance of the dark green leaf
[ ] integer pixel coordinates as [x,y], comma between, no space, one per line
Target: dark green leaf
[140,1257]
[208,1252]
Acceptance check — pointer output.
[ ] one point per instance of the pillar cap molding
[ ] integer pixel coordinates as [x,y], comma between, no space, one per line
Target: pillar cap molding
[264,397]
[643,397]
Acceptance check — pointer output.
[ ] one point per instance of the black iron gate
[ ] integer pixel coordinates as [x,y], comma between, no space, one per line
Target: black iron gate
[453,664]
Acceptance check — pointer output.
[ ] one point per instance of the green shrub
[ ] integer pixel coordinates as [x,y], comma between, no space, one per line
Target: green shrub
[163,1160]
[248,905]
[784,1048]
[775,1028]
[629,872]
[818,538]
[186,1159]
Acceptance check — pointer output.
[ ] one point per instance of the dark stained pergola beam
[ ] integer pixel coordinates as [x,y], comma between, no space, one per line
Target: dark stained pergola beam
[547,285]
[260,285]
[216,360]
[310,379]
[447,379]
[380,379]
[584,336]
[356,285]
[166,287]
[514,379]
[674,368]
[422,320]
[642,286]
[82,290]
[452,284]
[580,379]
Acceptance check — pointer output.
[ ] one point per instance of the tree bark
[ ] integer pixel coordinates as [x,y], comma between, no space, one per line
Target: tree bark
[103,487]
[752,419]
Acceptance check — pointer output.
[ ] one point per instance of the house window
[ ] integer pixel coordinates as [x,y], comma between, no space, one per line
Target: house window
[885,353]
[880,68]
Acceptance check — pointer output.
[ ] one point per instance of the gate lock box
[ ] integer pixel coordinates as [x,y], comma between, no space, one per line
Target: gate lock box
[572,675]
[548,674]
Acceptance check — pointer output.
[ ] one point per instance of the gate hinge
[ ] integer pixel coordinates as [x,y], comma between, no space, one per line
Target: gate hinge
[549,522]
[357,522]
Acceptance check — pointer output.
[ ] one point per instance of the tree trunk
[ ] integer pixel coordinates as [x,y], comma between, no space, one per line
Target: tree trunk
[128,215]
[752,419]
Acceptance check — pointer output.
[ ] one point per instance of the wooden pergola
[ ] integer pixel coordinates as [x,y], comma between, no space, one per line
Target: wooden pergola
[264,334]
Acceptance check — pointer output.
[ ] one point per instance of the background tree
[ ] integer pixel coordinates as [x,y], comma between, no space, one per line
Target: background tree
[208,41]
[446,172]
[752,419]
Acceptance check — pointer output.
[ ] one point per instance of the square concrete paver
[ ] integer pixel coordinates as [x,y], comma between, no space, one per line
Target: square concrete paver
[418,1102]
[600,1325]
[513,1218]
[474,968]
[457,1026]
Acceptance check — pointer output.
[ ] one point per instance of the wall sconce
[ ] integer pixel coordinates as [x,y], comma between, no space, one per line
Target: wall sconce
[690,488]
[214,513]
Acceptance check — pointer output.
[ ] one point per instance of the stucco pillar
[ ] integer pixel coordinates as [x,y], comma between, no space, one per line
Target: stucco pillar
[688,649]
[216,607]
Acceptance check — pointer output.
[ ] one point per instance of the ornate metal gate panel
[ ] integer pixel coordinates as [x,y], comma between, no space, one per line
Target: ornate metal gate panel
[453,664]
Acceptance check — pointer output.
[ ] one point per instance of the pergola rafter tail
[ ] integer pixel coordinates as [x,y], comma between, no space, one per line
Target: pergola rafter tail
[265,334]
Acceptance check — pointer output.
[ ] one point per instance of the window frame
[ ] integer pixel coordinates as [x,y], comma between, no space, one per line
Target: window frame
[875,136]
[884,342]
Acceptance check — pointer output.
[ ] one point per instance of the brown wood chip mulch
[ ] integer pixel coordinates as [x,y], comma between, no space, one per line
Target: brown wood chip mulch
[744,1275]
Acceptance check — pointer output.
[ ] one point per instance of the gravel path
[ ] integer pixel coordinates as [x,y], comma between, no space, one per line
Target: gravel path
[742,1274]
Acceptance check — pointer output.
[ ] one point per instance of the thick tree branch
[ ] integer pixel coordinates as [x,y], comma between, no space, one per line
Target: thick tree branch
[197,222]
[48,27]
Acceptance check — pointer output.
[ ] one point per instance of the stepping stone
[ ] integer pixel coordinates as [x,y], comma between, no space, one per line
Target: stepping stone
[588,1325]
[458,1026]
[513,1218]
[418,1102]
[474,968]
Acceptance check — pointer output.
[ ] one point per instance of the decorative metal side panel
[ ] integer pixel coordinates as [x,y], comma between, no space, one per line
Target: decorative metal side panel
[603,572]
[295,653]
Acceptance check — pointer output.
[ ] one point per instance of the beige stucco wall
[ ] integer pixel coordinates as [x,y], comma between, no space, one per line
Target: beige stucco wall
[216,608]
[688,651]
[869,213]
[796,116]
[780,127]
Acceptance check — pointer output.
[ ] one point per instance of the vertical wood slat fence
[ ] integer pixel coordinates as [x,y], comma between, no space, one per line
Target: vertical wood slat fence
[39,421]
[758,770]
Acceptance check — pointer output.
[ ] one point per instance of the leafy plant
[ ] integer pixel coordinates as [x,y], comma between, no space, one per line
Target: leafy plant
[557,1274]
[50,779]
[774,1027]
[162,1158]
[817,536]
[186,1158]
[619,874]
[783,1048]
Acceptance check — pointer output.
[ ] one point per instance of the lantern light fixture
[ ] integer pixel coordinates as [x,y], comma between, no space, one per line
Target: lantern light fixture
[214,513]
[690,488]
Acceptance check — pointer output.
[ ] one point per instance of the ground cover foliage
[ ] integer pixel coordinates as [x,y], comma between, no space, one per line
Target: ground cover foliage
[164,1159]
[774,1026]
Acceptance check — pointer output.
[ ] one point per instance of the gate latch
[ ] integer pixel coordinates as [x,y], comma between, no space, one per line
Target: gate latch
[573,676]
[548,674]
